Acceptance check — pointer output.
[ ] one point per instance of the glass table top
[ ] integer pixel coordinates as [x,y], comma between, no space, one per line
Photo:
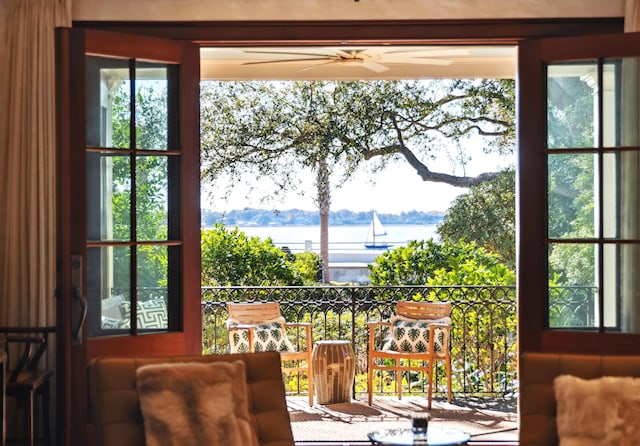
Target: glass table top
[405,437]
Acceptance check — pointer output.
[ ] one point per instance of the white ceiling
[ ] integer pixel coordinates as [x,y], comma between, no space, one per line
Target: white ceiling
[284,63]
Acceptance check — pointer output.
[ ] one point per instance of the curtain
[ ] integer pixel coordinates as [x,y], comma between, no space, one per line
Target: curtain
[631,16]
[28,160]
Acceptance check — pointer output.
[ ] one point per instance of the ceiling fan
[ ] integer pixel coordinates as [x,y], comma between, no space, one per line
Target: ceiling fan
[374,59]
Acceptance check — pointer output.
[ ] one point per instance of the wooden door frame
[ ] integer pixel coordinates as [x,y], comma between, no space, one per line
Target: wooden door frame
[281,33]
[340,32]
[533,334]
[72,358]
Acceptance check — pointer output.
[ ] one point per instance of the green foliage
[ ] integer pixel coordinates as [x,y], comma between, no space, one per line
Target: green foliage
[485,215]
[571,181]
[307,265]
[230,257]
[447,263]
[276,129]
[151,181]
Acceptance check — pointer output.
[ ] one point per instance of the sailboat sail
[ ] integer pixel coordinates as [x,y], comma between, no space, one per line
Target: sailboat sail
[375,230]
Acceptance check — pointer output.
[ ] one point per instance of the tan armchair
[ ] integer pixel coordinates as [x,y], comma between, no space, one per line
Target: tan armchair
[115,406]
[537,402]
[261,327]
[419,336]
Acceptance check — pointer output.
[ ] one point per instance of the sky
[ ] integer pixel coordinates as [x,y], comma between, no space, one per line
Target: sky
[397,189]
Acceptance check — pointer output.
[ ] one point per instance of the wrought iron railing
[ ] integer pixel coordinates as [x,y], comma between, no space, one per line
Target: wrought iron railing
[572,307]
[483,339]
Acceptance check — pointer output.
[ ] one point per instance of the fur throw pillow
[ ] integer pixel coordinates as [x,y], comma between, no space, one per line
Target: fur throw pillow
[598,412]
[195,404]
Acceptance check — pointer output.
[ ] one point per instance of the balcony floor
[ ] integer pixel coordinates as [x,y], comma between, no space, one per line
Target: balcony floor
[349,423]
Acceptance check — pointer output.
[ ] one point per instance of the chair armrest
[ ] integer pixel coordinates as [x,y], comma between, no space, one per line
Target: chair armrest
[32,350]
[241,326]
[443,326]
[380,323]
[308,327]
[372,331]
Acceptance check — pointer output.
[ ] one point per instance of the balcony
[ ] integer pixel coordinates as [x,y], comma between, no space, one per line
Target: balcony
[483,346]
[483,339]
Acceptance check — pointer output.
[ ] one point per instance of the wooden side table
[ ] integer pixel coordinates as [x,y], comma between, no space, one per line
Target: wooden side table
[333,367]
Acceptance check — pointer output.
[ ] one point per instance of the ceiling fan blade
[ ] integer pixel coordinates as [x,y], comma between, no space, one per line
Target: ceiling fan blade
[289,53]
[420,61]
[263,62]
[316,66]
[426,53]
[352,54]
[374,66]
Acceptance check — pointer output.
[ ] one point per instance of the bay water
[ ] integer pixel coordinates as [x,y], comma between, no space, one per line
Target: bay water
[341,238]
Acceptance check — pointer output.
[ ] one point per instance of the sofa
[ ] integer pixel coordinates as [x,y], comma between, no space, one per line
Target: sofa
[115,407]
[537,411]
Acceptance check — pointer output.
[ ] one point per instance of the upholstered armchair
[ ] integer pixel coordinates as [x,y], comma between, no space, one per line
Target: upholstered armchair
[117,401]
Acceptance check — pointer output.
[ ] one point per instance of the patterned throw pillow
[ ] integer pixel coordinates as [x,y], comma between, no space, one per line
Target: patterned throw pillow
[268,336]
[111,323]
[151,314]
[409,335]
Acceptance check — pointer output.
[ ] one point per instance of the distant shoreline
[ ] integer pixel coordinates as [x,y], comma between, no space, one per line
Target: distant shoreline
[296,217]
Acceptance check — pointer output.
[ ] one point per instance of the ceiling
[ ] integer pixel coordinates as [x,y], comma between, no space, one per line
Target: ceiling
[357,62]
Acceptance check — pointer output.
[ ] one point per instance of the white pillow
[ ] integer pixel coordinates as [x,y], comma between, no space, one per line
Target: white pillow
[598,412]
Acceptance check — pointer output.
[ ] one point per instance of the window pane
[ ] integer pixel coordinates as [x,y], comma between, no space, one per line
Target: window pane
[108,197]
[152,287]
[571,198]
[108,100]
[151,198]
[622,288]
[572,286]
[621,82]
[621,188]
[108,288]
[572,104]
[151,106]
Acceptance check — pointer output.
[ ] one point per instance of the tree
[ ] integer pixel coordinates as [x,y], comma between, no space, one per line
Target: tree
[151,186]
[432,263]
[253,130]
[230,257]
[571,181]
[485,215]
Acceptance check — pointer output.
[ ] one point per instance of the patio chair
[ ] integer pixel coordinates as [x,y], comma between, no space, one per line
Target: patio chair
[256,327]
[418,337]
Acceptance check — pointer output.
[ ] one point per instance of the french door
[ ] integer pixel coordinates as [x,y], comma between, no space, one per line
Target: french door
[579,194]
[128,166]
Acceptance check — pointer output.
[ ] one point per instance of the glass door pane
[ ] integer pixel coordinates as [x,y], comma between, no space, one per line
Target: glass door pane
[593,194]
[130,152]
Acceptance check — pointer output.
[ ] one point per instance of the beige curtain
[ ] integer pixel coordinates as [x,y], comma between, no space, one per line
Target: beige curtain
[631,16]
[28,160]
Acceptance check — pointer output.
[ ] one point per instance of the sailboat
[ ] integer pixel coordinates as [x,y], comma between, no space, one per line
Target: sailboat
[375,230]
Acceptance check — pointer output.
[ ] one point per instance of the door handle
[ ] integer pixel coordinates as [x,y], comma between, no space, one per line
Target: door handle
[79,299]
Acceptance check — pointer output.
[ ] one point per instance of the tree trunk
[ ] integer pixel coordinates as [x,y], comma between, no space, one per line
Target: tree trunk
[324,204]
